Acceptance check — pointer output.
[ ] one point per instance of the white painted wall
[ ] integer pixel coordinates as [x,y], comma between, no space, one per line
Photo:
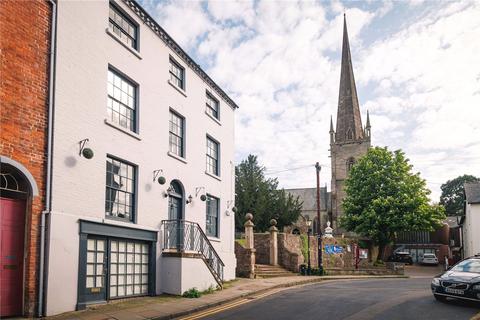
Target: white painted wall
[471,230]
[84,52]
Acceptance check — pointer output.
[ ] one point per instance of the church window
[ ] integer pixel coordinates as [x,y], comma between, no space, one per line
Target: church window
[350,163]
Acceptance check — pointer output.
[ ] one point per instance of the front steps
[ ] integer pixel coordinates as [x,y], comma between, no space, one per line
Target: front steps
[268,271]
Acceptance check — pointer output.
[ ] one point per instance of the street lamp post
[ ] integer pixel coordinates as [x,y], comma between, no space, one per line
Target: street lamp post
[309,223]
[319,225]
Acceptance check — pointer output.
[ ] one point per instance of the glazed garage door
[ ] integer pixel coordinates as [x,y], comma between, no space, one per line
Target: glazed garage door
[128,268]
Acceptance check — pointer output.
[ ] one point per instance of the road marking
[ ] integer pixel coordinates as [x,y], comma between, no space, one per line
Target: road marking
[231,305]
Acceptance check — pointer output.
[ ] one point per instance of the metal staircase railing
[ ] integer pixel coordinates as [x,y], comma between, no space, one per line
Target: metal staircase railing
[187,236]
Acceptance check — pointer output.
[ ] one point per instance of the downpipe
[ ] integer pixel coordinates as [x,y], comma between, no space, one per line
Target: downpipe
[42,284]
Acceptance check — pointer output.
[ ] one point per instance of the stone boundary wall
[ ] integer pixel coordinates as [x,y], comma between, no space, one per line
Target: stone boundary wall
[245,261]
[289,251]
[262,246]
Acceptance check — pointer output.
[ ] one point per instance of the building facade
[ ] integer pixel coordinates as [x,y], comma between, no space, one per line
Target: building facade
[309,209]
[25,48]
[471,220]
[143,163]
[350,140]
[417,243]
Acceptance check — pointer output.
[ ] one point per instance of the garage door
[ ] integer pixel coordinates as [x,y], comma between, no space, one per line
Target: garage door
[128,268]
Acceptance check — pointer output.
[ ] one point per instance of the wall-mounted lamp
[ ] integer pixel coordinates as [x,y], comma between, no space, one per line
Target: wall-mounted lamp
[167,192]
[203,197]
[233,209]
[159,173]
[87,153]
[189,199]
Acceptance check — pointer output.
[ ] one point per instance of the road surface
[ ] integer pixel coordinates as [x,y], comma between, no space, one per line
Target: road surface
[391,299]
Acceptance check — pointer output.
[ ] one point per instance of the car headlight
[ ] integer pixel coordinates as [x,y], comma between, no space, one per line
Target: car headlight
[476,287]
[436,281]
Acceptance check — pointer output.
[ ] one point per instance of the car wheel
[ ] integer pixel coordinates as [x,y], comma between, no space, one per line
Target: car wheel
[440,298]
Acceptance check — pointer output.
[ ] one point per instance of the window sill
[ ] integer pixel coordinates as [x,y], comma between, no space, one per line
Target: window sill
[173,155]
[114,36]
[213,118]
[213,176]
[177,88]
[213,239]
[119,128]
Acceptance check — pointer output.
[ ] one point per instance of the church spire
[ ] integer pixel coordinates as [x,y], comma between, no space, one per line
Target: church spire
[349,122]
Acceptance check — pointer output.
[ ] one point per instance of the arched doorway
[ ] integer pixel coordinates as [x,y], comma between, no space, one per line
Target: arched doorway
[175,201]
[176,209]
[16,189]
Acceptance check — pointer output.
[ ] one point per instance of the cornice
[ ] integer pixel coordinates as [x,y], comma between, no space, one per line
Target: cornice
[168,40]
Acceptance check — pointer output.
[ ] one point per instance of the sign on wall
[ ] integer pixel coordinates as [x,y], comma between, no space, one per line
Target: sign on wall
[333,249]
[363,253]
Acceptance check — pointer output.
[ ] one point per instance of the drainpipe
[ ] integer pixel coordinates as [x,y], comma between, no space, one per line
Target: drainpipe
[48,185]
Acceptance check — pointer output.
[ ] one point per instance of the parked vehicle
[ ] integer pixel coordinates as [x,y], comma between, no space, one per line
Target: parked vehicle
[429,258]
[462,281]
[404,257]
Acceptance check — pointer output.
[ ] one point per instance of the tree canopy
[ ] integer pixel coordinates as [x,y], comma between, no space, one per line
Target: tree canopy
[261,197]
[453,193]
[384,197]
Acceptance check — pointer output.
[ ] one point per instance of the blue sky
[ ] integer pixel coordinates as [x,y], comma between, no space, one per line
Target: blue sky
[416,64]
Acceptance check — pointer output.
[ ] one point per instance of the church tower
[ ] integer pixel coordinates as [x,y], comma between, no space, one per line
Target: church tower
[350,140]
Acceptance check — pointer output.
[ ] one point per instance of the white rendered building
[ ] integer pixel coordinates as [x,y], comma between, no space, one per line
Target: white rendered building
[471,220]
[126,91]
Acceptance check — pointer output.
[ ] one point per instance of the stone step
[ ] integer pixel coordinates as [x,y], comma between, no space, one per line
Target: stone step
[269,268]
[269,271]
[286,274]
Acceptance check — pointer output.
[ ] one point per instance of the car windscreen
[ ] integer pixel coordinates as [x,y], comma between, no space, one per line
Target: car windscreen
[470,265]
[429,255]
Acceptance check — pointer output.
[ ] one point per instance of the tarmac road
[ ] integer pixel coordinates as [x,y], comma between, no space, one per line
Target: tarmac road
[391,299]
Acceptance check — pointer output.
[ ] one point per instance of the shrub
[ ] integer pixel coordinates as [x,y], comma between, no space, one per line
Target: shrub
[210,289]
[378,263]
[192,293]
[304,246]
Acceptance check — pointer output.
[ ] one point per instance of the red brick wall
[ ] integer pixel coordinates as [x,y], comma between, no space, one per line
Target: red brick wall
[24,56]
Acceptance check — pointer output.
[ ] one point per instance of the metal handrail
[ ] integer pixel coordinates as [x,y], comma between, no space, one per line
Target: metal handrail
[182,236]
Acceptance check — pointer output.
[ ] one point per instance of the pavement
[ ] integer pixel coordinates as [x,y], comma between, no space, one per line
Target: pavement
[170,307]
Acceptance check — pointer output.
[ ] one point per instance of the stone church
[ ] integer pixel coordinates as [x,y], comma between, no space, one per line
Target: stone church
[348,142]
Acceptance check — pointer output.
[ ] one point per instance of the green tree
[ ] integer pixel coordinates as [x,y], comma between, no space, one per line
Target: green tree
[384,197]
[453,193]
[261,197]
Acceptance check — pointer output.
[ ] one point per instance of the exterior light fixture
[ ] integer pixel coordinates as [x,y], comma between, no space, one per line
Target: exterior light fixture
[189,200]
[166,193]
[158,175]
[233,208]
[87,153]
[203,197]
[308,222]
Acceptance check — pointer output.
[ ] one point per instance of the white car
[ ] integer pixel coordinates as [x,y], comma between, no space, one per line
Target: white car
[429,258]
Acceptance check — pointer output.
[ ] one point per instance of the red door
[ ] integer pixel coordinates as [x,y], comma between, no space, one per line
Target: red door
[12,226]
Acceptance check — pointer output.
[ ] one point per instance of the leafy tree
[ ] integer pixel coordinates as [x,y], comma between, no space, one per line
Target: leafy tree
[452,194]
[260,196]
[384,197]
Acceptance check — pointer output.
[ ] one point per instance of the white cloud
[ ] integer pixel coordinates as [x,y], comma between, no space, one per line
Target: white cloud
[280,61]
